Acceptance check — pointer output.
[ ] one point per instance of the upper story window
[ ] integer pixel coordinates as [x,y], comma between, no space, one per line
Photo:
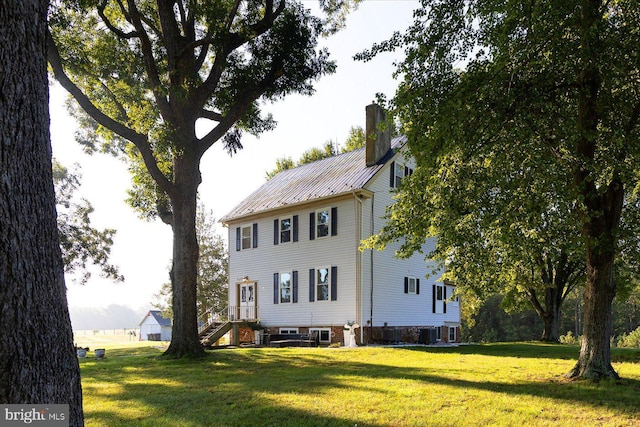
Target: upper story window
[411,285]
[247,237]
[398,173]
[323,223]
[285,230]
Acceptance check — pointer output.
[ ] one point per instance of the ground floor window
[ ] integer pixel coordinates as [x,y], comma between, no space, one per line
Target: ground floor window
[439,333]
[288,331]
[323,334]
[452,334]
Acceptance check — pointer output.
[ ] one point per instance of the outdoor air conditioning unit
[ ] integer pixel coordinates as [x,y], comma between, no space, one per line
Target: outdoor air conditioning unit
[428,336]
[392,335]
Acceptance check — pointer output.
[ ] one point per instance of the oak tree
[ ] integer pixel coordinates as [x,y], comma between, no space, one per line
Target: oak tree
[38,363]
[544,96]
[146,72]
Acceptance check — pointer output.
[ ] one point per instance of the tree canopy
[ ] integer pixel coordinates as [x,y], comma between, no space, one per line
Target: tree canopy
[523,119]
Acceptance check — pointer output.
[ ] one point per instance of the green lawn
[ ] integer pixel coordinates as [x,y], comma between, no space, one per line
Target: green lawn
[498,384]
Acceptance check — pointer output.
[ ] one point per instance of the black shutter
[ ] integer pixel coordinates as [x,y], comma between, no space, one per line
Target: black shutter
[444,299]
[312,285]
[334,283]
[295,228]
[418,286]
[406,285]
[392,177]
[276,285]
[238,238]
[434,299]
[334,221]
[276,232]
[295,286]
[312,225]
[406,171]
[255,235]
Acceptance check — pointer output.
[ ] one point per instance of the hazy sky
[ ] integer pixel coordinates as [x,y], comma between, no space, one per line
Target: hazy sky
[142,250]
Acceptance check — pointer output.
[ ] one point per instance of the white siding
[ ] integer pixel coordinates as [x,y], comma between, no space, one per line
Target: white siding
[390,304]
[151,326]
[370,283]
[259,265]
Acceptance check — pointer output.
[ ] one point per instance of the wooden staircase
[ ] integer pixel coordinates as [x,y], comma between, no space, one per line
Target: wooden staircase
[214,332]
[217,325]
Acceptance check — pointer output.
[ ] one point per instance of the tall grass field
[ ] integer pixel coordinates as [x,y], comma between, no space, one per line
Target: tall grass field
[519,384]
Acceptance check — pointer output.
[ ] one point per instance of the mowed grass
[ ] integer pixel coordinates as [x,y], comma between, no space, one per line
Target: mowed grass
[497,384]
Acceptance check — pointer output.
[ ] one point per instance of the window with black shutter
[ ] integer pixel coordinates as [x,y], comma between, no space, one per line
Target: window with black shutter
[392,175]
[247,237]
[295,228]
[411,285]
[334,221]
[276,231]
[276,288]
[334,283]
[255,235]
[312,287]
[295,286]
[323,223]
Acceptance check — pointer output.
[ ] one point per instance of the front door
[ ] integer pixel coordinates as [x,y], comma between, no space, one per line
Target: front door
[247,301]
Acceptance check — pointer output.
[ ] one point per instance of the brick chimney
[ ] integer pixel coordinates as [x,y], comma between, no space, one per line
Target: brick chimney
[378,142]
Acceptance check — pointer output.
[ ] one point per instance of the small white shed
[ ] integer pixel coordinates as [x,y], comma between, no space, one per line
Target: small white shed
[154,327]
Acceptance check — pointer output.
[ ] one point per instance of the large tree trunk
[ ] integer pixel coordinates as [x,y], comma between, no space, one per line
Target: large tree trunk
[595,354]
[184,271]
[38,363]
[600,209]
[551,325]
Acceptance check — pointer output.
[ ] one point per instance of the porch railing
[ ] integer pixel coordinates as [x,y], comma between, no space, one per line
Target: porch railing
[249,313]
[213,317]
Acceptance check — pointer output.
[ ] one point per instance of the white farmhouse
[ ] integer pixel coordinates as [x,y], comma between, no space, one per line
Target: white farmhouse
[295,262]
[154,327]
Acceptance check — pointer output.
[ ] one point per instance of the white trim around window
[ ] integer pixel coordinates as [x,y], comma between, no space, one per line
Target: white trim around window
[323,223]
[323,284]
[452,334]
[324,334]
[286,287]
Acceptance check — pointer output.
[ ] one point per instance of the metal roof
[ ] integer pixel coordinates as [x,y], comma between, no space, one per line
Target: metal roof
[332,176]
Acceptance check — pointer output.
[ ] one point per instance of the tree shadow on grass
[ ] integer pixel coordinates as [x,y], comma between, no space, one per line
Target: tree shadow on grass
[535,350]
[251,387]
